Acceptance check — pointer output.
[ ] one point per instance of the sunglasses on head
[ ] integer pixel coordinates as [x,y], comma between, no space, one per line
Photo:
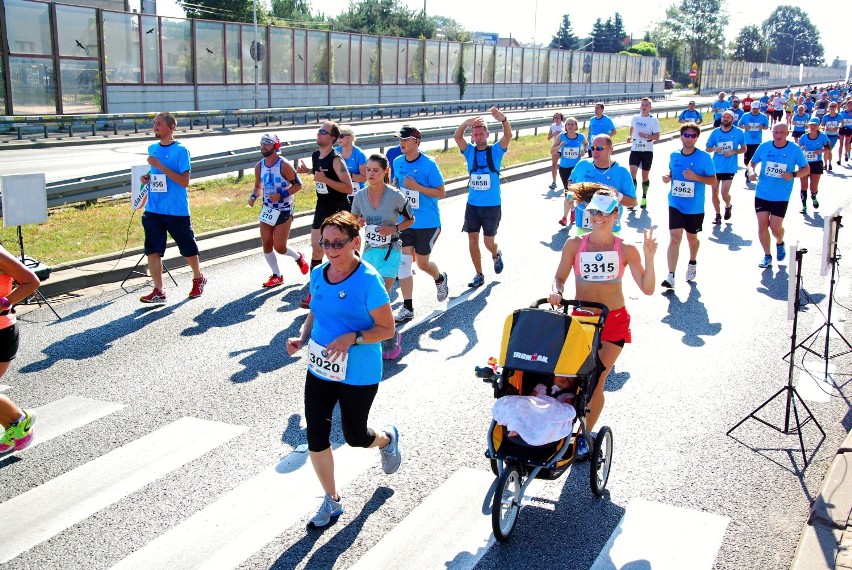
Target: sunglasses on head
[323,132]
[334,244]
[593,212]
[598,148]
[689,135]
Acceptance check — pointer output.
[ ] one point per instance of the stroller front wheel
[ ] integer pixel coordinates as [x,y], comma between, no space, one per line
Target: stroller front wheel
[507,503]
[600,461]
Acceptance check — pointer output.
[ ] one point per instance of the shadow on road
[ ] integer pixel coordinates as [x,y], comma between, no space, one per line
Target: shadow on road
[325,557]
[237,311]
[726,236]
[269,358]
[690,317]
[774,285]
[95,341]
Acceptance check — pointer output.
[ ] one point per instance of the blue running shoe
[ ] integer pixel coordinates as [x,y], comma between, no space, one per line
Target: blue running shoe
[767,262]
[498,262]
[781,252]
[477,281]
[328,510]
[582,448]
[391,456]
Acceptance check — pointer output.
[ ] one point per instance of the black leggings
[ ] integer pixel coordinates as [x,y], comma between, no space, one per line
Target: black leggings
[565,175]
[355,402]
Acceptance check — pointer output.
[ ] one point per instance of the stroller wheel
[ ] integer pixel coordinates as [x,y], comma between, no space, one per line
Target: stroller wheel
[494,467]
[507,503]
[600,461]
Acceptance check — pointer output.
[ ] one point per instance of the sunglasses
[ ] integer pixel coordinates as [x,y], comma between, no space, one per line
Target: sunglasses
[598,148]
[323,132]
[689,135]
[593,212]
[334,244]
[344,135]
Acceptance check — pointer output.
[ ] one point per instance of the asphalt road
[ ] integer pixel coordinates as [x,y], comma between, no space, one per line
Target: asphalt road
[198,413]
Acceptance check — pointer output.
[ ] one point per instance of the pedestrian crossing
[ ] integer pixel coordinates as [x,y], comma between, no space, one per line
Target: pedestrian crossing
[449,528]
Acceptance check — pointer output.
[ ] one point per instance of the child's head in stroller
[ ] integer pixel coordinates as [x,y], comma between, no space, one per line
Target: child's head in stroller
[562,389]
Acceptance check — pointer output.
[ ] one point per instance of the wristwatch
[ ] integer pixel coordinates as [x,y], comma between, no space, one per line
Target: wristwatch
[359,337]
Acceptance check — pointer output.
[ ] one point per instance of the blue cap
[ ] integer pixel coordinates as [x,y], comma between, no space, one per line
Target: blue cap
[814,121]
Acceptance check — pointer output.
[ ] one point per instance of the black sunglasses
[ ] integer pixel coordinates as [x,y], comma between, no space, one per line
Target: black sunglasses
[334,244]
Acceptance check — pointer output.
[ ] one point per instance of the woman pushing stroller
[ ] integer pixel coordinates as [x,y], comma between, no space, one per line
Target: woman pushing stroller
[598,260]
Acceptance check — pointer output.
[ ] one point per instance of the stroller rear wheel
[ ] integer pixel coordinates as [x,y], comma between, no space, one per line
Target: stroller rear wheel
[600,461]
[507,503]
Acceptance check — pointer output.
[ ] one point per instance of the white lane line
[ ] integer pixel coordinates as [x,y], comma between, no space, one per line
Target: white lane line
[61,416]
[70,498]
[450,529]
[3,387]
[230,530]
[662,537]
[456,301]
[812,384]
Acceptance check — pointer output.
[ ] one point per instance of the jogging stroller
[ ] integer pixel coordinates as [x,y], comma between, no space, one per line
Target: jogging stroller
[538,345]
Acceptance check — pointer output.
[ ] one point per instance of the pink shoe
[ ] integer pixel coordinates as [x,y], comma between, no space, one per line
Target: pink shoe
[395,349]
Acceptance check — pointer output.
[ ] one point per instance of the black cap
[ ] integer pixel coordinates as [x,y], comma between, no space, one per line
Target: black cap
[407,132]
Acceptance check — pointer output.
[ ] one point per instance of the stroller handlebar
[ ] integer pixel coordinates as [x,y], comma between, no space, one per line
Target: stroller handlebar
[577,304]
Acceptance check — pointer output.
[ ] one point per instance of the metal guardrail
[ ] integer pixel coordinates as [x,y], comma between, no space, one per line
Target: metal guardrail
[295,115]
[108,184]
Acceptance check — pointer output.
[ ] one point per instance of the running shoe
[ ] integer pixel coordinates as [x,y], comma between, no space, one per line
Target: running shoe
[155,296]
[22,431]
[328,510]
[498,262]
[643,204]
[573,217]
[582,447]
[815,202]
[404,315]
[717,220]
[728,212]
[563,222]
[847,157]
[197,287]
[392,347]
[780,251]
[303,265]
[691,271]
[306,302]
[443,288]
[552,186]
[829,166]
[668,283]
[804,209]
[7,442]
[274,281]
[477,281]
[767,262]
[391,455]
[838,163]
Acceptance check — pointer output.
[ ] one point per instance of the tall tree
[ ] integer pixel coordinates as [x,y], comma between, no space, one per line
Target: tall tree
[564,38]
[749,45]
[792,37]
[385,18]
[291,12]
[224,10]
[598,37]
[619,34]
[700,24]
[838,63]
[449,29]
[672,47]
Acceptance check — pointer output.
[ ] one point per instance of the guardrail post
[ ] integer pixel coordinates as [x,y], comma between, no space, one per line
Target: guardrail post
[114,128]
[70,130]
[239,121]
[135,126]
[20,137]
[208,123]
[45,131]
[94,128]
[240,174]
[446,145]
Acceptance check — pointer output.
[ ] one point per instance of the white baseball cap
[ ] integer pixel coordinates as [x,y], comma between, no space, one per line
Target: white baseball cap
[603,202]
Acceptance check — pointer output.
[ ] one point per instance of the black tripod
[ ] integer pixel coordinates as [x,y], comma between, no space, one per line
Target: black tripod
[789,389]
[833,258]
[41,271]
[134,271]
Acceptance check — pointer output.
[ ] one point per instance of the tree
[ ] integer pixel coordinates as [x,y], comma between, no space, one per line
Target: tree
[619,34]
[608,36]
[749,45]
[223,10]
[788,28]
[700,25]
[643,48]
[838,63]
[292,12]
[385,18]
[672,47]
[564,38]
[449,29]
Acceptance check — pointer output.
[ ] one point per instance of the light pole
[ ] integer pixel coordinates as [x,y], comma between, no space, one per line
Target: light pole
[256,50]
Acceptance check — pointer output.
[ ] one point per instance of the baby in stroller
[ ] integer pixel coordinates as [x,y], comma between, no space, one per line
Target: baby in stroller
[544,416]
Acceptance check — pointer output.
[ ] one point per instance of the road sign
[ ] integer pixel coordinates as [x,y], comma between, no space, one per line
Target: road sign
[693,73]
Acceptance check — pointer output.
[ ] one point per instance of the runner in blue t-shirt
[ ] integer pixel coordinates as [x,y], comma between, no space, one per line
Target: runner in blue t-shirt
[420,180]
[780,161]
[354,157]
[600,124]
[569,147]
[719,106]
[690,170]
[690,115]
[846,131]
[167,208]
[753,124]
[817,149]
[483,210]
[800,122]
[831,123]
[725,143]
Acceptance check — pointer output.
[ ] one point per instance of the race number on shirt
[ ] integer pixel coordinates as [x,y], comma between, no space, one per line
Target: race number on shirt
[775,169]
[683,188]
[321,366]
[754,126]
[811,156]
[640,145]
[374,238]
[598,265]
[480,181]
[413,197]
[158,183]
[726,145]
[321,188]
[269,216]
[847,123]
[571,152]
[587,220]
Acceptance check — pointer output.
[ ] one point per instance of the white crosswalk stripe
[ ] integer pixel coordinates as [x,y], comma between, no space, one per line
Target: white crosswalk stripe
[230,530]
[70,498]
[3,387]
[67,414]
